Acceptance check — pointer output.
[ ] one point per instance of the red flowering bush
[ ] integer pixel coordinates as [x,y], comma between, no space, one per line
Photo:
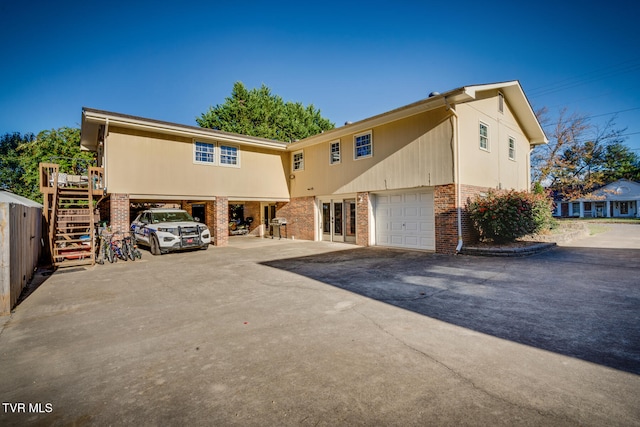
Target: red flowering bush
[505,216]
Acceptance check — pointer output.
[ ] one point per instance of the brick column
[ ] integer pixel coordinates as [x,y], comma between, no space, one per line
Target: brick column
[468,194]
[220,221]
[119,216]
[362,219]
[446,218]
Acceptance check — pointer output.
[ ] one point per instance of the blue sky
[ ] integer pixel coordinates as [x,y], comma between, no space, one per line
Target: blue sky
[172,60]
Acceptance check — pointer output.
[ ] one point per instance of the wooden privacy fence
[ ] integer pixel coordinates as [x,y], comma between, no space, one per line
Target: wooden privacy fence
[20,245]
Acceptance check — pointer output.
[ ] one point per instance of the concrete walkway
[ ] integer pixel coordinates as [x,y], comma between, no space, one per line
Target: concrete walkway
[268,332]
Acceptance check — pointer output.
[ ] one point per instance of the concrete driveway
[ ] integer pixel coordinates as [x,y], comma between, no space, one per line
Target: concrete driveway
[268,332]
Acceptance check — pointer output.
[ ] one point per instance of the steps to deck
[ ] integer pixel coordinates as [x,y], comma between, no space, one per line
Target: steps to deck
[72,242]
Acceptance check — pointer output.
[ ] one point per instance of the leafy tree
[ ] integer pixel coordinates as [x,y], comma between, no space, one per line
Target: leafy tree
[10,168]
[580,155]
[257,112]
[60,146]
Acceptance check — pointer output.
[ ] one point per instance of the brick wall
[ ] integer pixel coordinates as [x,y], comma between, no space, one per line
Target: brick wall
[119,212]
[362,219]
[185,205]
[444,207]
[252,209]
[469,192]
[217,213]
[446,216]
[209,217]
[299,212]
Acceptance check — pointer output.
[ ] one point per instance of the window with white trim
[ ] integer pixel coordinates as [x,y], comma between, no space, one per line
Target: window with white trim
[500,102]
[512,148]
[298,161]
[362,145]
[335,152]
[228,155]
[484,136]
[204,152]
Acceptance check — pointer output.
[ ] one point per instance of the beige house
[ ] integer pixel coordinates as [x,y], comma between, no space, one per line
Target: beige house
[398,179]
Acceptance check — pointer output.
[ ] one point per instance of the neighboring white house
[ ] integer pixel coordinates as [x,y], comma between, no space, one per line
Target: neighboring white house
[619,199]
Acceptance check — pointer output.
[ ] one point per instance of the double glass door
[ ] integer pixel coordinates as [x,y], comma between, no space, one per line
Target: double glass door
[338,220]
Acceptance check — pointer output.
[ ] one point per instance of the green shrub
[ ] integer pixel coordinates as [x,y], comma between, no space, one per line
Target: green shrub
[505,216]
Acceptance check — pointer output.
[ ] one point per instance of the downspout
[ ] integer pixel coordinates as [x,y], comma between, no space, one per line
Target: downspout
[105,187]
[456,134]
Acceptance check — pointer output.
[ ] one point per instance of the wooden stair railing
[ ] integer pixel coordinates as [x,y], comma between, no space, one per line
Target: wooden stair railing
[72,227]
[68,211]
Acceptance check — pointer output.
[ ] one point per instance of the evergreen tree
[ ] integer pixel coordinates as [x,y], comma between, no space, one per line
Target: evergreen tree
[258,112]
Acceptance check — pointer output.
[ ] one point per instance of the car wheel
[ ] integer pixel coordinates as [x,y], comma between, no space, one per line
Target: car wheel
[154,245]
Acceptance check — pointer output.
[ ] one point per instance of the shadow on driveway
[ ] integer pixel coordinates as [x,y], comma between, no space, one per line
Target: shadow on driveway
[579,302]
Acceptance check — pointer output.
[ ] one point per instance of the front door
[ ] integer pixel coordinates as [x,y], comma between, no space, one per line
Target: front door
[624,208]
[268,213]
[350,221]
[337,220]
[325,221]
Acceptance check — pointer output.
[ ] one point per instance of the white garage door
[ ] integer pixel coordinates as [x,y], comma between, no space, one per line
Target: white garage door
[405,220]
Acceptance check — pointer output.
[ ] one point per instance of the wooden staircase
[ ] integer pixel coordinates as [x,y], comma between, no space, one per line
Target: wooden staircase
[72,228]
[69,213]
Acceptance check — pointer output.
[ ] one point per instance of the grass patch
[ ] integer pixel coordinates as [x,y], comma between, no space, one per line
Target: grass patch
[608,220]
[596,228]
[597,225]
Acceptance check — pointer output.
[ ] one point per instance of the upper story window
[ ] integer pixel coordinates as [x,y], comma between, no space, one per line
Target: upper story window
[211,153]
[298,161]
[204,152]
[484,136]
[335,153]
[362,145]
[512,148]
[228,155]
[500,102]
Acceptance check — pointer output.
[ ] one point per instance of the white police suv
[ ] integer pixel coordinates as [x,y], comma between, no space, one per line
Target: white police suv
[165,230]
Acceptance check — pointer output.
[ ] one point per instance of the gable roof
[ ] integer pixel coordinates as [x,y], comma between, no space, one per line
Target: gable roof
[622,189]
[92,120]
[511,90]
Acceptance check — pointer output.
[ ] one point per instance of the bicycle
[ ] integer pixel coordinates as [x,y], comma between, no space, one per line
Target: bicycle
[115,245]
[130,248]
[104,250]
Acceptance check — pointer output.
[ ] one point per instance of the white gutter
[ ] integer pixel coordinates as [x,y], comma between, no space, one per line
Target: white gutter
[458,95]
[457,174]
[167,128]
[105,185]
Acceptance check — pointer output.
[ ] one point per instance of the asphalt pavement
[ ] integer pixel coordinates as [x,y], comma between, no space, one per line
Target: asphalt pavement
[281,332]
